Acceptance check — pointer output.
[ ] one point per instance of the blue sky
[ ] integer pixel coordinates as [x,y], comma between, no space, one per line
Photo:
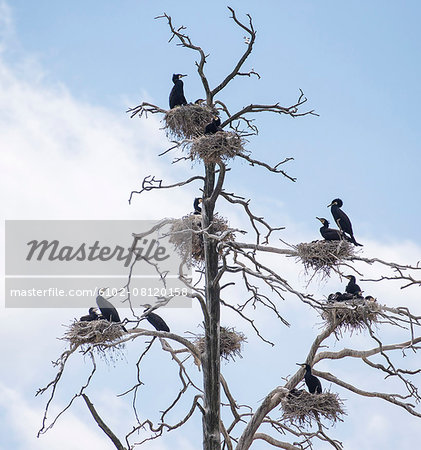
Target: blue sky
[355,61]
[68,72]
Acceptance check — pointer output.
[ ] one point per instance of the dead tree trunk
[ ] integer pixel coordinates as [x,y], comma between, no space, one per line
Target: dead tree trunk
[211,356]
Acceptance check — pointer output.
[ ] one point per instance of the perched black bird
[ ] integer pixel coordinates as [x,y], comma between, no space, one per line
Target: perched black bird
[352,287]
[92,315]
[177,92]
[339,297]
[329,234]
[107,309]
[343,297]
[156,321]
[295,393]
[214,126]
[197,208]
[313,383]
[342,220]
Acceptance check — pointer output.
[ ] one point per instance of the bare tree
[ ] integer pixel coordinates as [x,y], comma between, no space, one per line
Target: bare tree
[225,259]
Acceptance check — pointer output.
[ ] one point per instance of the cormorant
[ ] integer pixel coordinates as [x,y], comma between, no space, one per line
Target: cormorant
[214,126]
[352,287]
[107,309]
[370,298]
[342,220]
[343,297]
[92,315]
[313,383]
[197,208]
[295,393]
[156,321]
[177,92]
[330,234]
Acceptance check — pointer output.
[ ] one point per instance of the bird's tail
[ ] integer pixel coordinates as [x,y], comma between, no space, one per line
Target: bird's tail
[355,242]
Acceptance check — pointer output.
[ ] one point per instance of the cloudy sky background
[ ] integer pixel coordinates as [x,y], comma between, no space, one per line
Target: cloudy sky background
[69,70]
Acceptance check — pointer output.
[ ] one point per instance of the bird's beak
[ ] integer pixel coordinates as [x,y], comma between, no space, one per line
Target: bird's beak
[181,76]
[330,204]
[318,218]
[348,277]
[95,309]
[200,200]
[301,364]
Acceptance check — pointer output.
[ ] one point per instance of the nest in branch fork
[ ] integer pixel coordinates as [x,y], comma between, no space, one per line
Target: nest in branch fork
[94,332]
[352,315]
[323,255]
[188,121]
[302,408]
[212,148]
[187,238]
[230,343]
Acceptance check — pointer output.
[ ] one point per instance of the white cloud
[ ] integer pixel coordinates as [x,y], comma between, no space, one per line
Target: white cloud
[23,422]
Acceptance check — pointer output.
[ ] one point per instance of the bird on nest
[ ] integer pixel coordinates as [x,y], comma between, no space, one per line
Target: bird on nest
[352,287]
[177,92]
[214,126]
[197,208]
[107,309]
[342,220]
[92,315]
[313,383]
[330,234]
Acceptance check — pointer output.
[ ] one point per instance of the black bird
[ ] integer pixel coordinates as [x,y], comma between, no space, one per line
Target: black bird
[329,234]
[339,297]
[107,309]
[313,383]
[214,126]
[197,208]
[92,315]
[177,92]
[342,220]
[352,287]
[343,297]
[295,393]
[156,321]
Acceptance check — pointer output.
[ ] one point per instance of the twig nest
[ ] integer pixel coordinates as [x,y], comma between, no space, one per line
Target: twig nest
[212,148]
[230,343]
[302,408]
[323,255]
[353,315]
[188,121]
[187,237]
[94,332]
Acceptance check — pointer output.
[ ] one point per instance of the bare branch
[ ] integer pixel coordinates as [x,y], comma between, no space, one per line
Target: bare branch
[274,169]
[270,440]
[149,183]
[102,425]
[252,37]
[186,42]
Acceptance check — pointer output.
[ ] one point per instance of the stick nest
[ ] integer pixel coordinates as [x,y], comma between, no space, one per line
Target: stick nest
[213,148]
[187,238]
[94,332]
[352,315]
[302,408]
[188,121]
[323,255]
[230,343]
